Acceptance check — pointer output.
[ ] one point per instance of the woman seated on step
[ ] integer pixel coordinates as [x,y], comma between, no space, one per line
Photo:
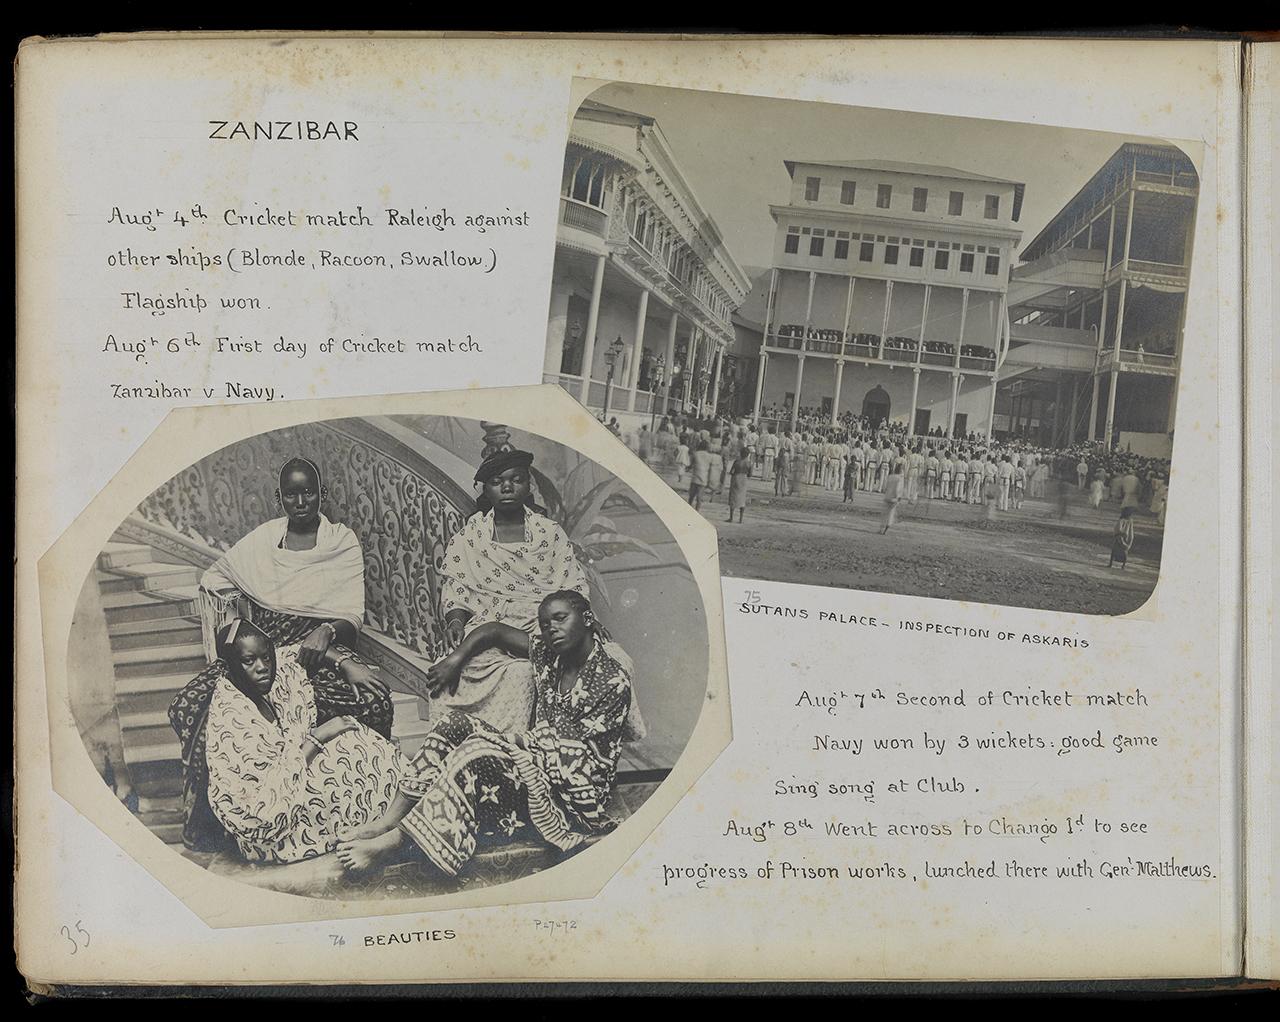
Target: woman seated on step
[300,579]
[282,786]
[472,785]
[497,568]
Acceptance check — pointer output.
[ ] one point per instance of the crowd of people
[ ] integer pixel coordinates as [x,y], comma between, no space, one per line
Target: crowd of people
[858,454]
[286,734]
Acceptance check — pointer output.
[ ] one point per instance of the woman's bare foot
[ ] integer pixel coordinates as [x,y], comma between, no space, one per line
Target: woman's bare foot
[367,854]
[397,811]
[370,830]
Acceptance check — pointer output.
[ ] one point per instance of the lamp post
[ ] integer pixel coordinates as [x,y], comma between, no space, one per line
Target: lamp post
[575,338]
[656,372]
[611,357]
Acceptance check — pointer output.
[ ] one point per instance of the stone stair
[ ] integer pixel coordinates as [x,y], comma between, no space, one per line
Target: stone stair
[154,627]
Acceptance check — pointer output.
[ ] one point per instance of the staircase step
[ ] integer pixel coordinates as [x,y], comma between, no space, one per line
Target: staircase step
[118,554]
[160,804]
[169,833]
[161,818]
[146,684]
[147,700]
[138,753]
[109,582]
[165,784]
[160,632]
[158,576]
[144,606]
[186,658]
[156,778]
[146,727]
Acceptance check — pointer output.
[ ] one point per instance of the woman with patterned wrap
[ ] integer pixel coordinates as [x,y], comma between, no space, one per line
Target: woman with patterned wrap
[300,579]
[472,785]
[282,786]
[497,568]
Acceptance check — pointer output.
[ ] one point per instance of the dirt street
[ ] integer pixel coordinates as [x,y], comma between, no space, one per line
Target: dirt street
[1027,558]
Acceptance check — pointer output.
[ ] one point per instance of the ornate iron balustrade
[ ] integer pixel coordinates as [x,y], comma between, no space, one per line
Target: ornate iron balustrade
[402,509]
[584,217]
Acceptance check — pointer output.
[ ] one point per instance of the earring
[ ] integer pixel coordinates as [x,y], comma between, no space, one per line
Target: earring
[279,502]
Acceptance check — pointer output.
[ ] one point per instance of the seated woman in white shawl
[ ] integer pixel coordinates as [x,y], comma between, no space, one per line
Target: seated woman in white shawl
[300,579]
[498,568]
[283,785]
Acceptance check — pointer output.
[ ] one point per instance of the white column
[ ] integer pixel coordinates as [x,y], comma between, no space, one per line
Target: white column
[991,415]
[924,318]
[956,380]
[768,312]
[695,335]
[557,326]
[848,314]
[884,327]
[1102,333]
[671,360]
[1075,411]
[964,312]
[1115,372]
[637,349]
[1002,330]
[593,320]
[795,405]
[808,311]
[715,379]
[760,371]
[835,404]
[1057,413]
[915,395]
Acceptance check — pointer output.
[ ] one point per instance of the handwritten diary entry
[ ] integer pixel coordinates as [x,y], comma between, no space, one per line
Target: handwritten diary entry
[238,237]
[964,745]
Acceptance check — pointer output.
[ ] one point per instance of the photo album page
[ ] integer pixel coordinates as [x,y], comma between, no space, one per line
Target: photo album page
[599,509]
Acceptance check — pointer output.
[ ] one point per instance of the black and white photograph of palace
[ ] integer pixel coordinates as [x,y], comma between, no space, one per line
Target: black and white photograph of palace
[883,350]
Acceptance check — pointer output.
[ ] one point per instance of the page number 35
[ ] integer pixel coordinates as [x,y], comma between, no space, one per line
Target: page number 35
[79,938]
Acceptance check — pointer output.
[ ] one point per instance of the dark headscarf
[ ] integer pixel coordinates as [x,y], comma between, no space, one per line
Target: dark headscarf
[498,463]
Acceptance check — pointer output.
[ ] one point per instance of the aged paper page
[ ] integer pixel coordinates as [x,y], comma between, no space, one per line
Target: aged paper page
[1262,957]
[221,239]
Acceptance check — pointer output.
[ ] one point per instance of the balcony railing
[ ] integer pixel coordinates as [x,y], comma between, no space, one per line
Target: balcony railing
[663,273]
[1135,359]
[897,349]
[583,216]
[1156,269]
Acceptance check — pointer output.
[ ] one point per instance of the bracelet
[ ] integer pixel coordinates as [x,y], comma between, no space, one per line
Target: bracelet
[342,660]
[310,737]
[333,632]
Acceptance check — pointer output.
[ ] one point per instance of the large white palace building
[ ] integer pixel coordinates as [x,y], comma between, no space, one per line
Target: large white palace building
[889,293]
[643,288]
[893,293]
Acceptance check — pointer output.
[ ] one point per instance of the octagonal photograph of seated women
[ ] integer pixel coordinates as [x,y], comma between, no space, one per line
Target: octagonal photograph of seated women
[389,656]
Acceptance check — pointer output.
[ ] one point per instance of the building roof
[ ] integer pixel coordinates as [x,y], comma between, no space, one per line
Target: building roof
[1095,190]
[895,167]
[918,170]
[590,106]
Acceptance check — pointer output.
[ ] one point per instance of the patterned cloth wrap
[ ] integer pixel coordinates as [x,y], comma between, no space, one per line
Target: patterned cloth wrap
[477,786]
[188,713]
[502,582]
[277,806]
